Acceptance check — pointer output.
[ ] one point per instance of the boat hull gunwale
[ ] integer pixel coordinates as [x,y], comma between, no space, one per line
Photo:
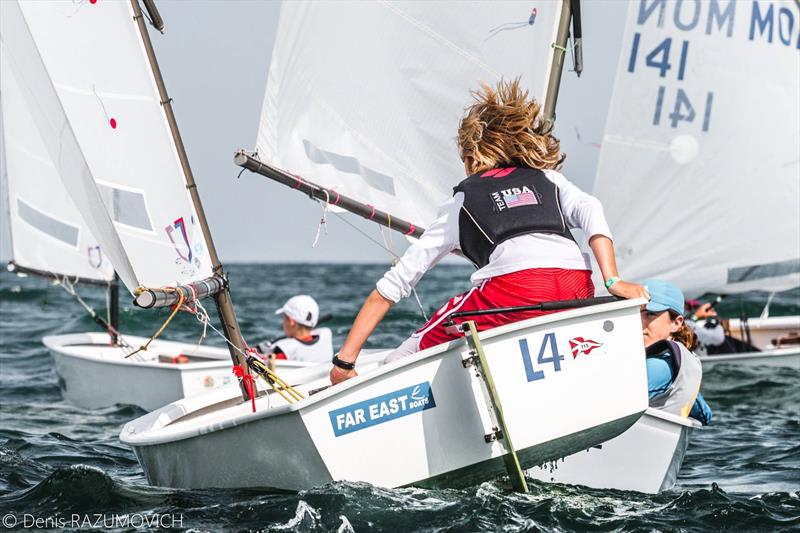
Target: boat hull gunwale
[92,374]
[296,446]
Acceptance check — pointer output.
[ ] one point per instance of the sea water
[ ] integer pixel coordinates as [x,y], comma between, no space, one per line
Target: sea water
[62,467]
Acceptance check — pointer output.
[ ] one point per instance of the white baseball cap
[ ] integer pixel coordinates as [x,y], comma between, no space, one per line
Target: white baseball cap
[301,308]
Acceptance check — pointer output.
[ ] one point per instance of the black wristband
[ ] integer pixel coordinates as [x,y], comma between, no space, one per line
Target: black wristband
[344,365]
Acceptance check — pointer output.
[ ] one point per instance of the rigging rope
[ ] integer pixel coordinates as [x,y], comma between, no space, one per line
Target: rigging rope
[289,393]
[69,287]
[199,313]
[324,220]
[286,391]
[387,246]
[175,309]
[362,232]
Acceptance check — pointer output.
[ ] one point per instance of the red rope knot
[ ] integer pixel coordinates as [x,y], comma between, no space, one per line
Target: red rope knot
[372,214]
[186,305]
[337,197]
[249,384]
[411,229]
[299,181]
[255,353]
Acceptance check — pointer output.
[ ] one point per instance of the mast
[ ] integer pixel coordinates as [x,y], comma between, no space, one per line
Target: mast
[227,316]
[113,311]
[4,177]
[559,53]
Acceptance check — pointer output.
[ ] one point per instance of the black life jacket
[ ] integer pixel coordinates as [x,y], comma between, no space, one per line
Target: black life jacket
[503,203]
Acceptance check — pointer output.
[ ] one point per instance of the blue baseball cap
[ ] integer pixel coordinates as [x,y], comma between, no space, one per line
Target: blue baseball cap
[663,295]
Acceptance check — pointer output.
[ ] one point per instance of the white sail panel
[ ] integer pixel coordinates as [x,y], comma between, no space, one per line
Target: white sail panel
[20,56]
[375,115]
[95,57]
[47,231]
[699,166]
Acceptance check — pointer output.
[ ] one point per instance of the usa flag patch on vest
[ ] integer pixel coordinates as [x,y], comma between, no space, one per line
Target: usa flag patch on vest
[514,197]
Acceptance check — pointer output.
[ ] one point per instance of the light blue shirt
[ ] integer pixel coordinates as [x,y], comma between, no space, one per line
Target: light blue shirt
[659,379]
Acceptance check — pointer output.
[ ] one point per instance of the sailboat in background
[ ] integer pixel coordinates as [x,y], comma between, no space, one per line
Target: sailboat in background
[702,132]
[378,138]
[717,205]
[101,136]
[47,234]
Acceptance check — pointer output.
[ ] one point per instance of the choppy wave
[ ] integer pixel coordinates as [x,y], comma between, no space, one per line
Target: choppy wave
[742,473]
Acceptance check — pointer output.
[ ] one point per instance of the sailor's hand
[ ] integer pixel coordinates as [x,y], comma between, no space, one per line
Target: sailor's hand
[704,311]
[338,375]
[625,289]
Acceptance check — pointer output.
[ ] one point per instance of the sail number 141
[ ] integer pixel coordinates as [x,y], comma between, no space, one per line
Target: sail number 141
[682,109]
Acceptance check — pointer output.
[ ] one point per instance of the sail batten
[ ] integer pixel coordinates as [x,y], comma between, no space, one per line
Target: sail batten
[375,117]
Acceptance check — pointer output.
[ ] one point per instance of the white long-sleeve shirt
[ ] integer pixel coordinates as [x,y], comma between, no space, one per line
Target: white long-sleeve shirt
[534,250]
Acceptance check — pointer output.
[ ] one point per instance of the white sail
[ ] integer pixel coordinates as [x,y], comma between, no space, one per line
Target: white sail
[375,114]
[47,231]
[91,53]
[699,166]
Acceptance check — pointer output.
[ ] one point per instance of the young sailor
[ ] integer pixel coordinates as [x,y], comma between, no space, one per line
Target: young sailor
[302,342]
[511,217]
[674,372]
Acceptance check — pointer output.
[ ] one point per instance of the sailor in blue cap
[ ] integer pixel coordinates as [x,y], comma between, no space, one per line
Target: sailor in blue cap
[674,372]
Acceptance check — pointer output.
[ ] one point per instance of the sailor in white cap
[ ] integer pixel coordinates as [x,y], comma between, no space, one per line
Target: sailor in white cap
[303,342]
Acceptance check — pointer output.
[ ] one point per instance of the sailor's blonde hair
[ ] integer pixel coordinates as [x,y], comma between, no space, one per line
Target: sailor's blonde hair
[503,128]
[684,335]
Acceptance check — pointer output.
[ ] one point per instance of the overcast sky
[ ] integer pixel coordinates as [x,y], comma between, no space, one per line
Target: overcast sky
[214,57]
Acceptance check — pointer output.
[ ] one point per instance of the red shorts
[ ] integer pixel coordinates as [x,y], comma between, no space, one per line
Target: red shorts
[525,287]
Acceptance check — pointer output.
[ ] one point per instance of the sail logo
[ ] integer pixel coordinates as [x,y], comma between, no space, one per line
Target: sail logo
[95,256]
[581,346]
[514,197]
[180,225]
[382,409]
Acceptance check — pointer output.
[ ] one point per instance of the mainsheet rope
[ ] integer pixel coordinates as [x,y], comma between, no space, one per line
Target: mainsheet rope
[387,246]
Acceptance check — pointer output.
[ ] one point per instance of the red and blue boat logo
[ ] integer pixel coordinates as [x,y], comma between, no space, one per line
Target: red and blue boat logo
[580,346]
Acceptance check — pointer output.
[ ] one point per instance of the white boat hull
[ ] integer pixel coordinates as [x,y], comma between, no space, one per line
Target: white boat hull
[422,420]
[92,374]
[646,458]
[763,331]
[784,357]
